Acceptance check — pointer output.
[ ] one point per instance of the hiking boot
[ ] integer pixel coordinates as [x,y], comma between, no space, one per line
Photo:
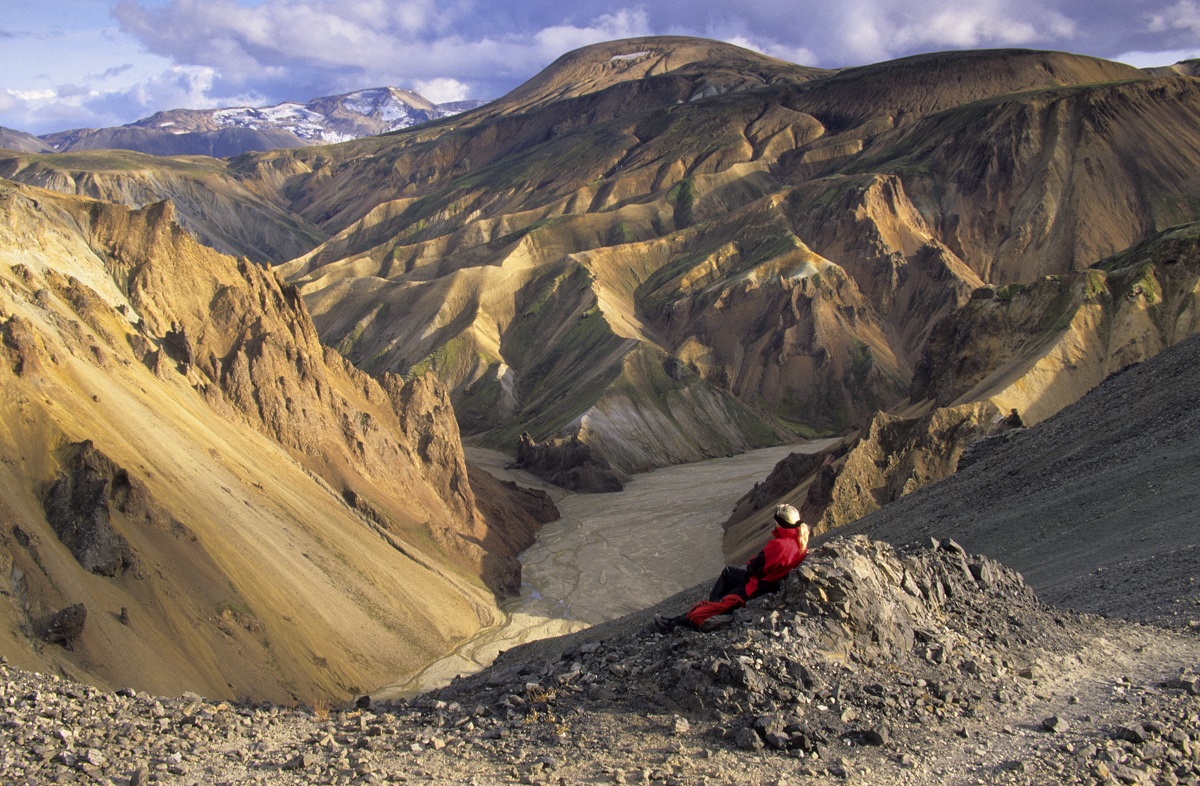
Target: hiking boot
[665,624]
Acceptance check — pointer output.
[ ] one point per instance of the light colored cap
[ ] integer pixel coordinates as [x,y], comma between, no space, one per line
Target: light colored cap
[787,515]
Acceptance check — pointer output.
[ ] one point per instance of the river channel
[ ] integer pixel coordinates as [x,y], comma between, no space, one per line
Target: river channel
[609,554]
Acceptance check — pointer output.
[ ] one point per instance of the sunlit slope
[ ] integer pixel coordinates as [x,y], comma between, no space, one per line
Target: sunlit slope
[778,241]
[1031,348]
[791,241]
[270,522]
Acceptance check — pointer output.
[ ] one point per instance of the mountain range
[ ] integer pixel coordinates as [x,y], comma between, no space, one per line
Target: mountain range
[231,131]
[656,251]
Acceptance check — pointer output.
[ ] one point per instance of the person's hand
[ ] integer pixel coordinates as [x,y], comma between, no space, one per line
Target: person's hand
[804,533]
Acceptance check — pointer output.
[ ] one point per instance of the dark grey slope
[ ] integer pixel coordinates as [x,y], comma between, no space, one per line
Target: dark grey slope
[1099,506]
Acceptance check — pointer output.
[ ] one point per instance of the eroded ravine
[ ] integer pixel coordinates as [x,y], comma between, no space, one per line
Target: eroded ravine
[610,554]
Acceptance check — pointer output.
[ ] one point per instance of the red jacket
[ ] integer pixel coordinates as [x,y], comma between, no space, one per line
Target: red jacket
[782,553]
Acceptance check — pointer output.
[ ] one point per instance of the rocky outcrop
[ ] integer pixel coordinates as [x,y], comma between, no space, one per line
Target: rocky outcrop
[209,201]
[891,457]
[77,507]
[569,463]
[1091,504]
[1040,346]
[1012,356]
[514,514]
[875,663]
[872,662]
[64,626]
[792,472]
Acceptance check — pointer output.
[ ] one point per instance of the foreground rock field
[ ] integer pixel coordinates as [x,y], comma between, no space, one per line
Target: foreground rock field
[873,665]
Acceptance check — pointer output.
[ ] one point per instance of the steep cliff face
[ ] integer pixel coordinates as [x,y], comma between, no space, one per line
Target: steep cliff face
[1041,346]
[241,511]
[1049,182]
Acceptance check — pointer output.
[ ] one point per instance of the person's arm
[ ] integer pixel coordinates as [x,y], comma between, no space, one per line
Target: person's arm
[756,566]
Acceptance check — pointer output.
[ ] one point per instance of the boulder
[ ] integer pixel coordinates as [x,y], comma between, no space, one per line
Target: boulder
[65,626]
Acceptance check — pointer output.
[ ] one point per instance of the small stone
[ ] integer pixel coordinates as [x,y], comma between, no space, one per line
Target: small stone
[952,546]
[140,776]
[1134,733]
[298,762]
[681,725]
[1055,725]
[877,736]
[778,740]
[1131,775]
[747,739]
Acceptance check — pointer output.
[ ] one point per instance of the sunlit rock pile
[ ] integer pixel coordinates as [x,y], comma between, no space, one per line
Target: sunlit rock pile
[872,665]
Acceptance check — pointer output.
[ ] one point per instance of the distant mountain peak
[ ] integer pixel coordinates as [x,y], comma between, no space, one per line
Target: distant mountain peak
[229,131]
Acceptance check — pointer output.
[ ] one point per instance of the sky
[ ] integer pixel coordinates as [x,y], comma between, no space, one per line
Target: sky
[92,63]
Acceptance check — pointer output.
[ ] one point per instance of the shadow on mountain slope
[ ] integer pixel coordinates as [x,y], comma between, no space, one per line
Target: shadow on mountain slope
[1096,506]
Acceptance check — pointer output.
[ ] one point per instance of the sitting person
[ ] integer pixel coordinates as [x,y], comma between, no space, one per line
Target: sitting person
[765,573]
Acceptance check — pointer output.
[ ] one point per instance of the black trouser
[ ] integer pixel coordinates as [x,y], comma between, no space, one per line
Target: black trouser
[732,580]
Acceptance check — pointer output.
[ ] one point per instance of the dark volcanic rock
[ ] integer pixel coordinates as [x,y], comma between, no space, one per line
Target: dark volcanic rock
[65,626]
[77,507]
[568,463]
[514,514]
[872,665]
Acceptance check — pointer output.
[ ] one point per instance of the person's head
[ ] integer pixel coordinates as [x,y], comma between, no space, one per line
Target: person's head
[787,516]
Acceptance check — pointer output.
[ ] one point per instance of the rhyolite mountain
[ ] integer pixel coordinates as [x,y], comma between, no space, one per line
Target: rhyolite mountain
[1033,349]
[663,249]
[670,248]
[660,250]
[200,495]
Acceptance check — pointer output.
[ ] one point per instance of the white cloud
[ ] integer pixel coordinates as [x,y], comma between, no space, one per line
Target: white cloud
[32,95]
[881,29]
[1141,59]
[275,50]
[623,23]
[441,90]
[1183,16]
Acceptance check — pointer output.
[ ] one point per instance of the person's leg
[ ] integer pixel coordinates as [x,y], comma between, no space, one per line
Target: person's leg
[707,609]
[732,579]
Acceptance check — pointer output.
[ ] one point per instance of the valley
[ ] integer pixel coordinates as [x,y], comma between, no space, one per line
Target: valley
[608,555]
